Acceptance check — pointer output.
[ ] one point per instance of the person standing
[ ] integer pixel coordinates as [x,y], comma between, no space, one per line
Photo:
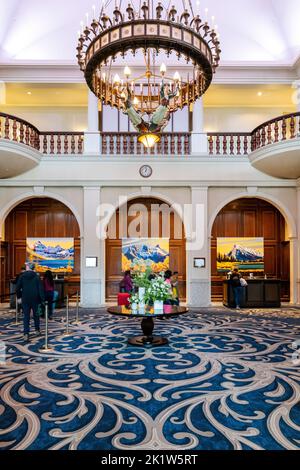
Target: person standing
[48,284]
[18,298]
[175,290]
[235,279]
[168,275]
[29,288]
[126,285]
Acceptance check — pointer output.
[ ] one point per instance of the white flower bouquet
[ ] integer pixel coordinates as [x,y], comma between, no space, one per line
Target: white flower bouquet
[158,290]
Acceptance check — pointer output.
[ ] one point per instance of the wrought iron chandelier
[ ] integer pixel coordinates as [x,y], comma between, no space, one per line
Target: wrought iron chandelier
[156,32]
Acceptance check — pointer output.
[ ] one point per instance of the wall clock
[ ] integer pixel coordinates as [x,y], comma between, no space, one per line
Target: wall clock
[146,171]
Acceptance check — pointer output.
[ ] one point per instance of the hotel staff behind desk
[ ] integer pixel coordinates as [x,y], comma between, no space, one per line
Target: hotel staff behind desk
[259,293]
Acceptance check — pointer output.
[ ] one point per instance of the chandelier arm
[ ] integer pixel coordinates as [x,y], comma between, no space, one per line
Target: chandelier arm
[191,8]
[167,9]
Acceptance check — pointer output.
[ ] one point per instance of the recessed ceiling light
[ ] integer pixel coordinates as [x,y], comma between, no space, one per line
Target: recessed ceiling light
[259,93]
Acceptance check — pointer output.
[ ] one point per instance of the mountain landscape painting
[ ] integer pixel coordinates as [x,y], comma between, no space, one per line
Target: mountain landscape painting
[246,254]
[141,253]
[56,254]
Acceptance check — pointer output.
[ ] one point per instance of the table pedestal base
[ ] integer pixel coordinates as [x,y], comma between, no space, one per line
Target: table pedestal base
[147,325]
[147,341]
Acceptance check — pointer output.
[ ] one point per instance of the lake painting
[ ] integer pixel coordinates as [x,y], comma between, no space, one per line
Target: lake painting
[140,253]
[245,254]
[56,254]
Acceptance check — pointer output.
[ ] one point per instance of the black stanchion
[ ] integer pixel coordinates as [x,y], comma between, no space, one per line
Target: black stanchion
[46,347]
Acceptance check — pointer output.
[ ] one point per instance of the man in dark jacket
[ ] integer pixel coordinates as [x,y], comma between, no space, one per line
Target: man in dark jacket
[29,288]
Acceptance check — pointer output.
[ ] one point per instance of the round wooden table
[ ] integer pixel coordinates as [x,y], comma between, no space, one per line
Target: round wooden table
[147,323]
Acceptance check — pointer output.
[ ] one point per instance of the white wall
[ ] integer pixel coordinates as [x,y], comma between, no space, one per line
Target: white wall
[239,119]
[52,118]
[215,119]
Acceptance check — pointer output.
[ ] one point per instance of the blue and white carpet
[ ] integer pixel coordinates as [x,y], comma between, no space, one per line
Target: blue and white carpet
[225,381]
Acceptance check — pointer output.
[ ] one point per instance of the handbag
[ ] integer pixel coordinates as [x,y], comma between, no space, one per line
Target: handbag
[243,282]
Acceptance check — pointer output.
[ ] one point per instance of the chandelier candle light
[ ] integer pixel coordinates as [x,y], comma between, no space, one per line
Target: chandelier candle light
[156,32]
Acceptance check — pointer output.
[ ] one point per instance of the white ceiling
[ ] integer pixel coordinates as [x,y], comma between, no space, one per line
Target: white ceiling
[255,32]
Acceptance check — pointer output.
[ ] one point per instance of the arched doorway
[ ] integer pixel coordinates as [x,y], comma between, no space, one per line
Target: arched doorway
[177,244]
[253,217]
[37,217]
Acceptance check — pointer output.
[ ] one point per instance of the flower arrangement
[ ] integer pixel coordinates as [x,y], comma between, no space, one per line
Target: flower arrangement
[134,299]
[158,290]
[141,278]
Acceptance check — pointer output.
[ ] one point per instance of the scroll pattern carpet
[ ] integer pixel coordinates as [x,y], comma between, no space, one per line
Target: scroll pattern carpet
[225,381]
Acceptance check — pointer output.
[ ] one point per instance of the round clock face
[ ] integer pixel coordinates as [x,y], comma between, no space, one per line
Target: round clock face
[146,171]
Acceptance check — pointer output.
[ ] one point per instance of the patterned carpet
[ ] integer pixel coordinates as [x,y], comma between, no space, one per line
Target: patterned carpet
[226,381]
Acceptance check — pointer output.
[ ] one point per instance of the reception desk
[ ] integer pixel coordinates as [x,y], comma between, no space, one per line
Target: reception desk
[260,293]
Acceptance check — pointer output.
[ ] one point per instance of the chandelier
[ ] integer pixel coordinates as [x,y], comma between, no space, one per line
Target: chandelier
[152,32]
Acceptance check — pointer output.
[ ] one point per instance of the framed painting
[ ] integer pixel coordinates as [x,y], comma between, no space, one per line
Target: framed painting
[245,254]
[55,254]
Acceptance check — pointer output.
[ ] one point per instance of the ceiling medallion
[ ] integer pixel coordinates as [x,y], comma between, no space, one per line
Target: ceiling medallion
[154,32]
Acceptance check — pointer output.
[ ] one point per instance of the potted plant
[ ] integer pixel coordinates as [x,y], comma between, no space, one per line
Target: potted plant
[134,301]
[141,282]
[158,292]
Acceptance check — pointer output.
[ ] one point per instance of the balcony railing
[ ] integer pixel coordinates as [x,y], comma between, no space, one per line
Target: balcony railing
[126,143]
[19,130]
[276,130]
[61,143]
[238,143]
[279,129]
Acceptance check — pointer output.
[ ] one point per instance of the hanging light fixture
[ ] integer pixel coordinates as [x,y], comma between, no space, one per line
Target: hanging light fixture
[149,140]
[149,98]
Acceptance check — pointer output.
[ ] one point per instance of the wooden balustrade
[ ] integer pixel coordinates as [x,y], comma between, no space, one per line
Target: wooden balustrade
[126,143]
[61,143]
[230,144]
[276,130]
[18,130]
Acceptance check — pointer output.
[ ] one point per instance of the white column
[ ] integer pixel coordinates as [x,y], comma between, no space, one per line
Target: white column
[92,135]
[296,95]
[91,278]
[198,246]
[199,138]
[294,274]
[295,252]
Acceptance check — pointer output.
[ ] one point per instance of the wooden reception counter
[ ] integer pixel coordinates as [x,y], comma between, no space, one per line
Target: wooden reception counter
[260,293]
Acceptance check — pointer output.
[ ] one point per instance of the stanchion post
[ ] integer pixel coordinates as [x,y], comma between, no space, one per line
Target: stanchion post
[77,322]
[17,313]
[67,333]
[46,346]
